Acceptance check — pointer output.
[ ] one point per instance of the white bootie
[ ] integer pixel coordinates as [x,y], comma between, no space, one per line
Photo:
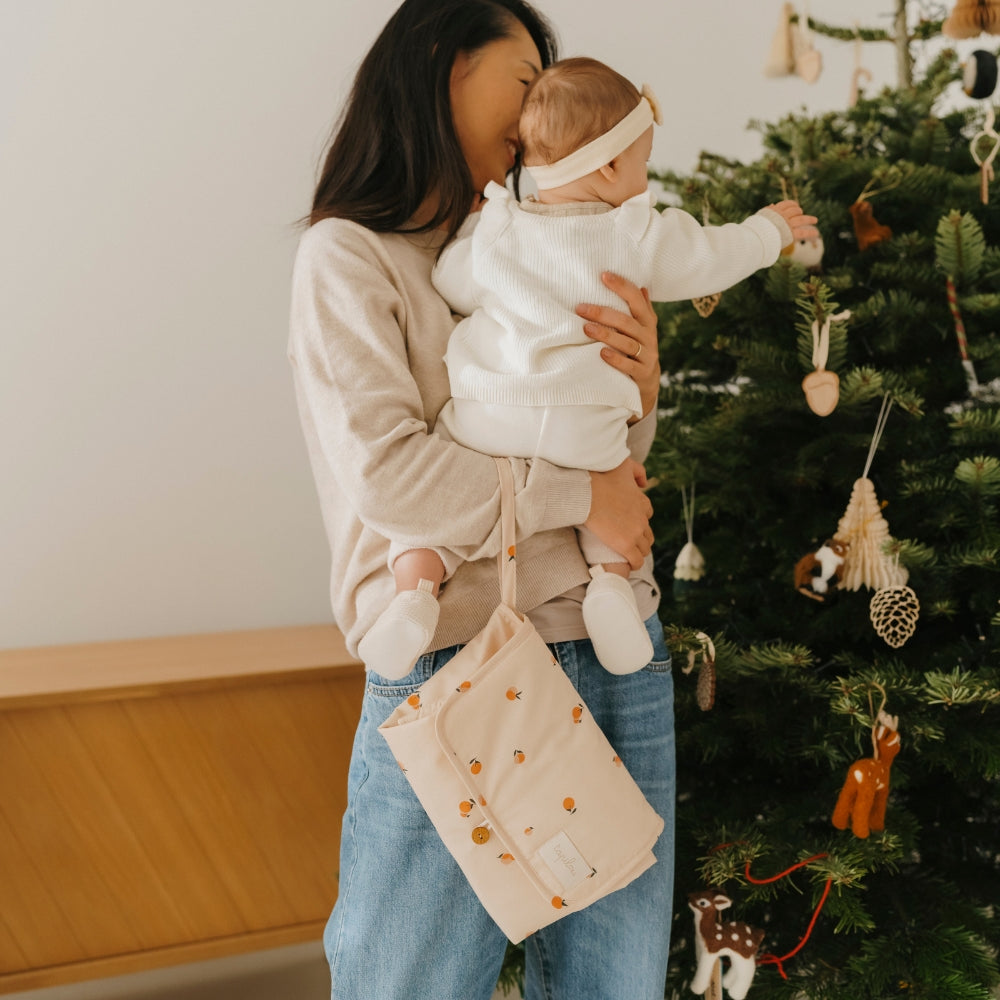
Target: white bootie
[392,646]
[613,623]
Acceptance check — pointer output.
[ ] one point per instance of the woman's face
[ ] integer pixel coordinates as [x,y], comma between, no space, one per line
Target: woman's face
[487,90]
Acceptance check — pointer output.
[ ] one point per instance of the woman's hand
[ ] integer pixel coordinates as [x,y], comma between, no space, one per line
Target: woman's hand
[631,344]
[620,511]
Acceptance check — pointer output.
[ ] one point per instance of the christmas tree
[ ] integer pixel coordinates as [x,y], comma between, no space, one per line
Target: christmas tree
[779,526]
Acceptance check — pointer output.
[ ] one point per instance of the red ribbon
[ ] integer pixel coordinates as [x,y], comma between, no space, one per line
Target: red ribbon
[774,959]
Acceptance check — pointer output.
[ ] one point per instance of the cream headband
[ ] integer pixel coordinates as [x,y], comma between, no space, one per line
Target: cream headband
[596,153]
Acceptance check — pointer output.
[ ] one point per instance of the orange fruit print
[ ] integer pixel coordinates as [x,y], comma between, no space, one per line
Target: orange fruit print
[569,805]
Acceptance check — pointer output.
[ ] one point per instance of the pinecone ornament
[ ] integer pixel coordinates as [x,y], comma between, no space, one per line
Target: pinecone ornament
[894,612]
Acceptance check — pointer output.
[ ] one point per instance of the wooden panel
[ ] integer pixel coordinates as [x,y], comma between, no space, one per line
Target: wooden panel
[95,670]
[138,830]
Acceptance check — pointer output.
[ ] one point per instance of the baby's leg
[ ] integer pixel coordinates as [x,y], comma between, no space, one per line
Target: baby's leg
[404,630]
[414,566]
[610,612]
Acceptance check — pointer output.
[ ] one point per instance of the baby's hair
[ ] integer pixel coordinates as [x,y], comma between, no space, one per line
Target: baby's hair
[568,105]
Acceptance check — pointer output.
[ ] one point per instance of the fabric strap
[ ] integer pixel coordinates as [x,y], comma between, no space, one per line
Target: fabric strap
[506,557]
[598,152]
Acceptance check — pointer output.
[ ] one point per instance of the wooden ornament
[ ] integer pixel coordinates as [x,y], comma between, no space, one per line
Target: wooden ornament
[867,229]
[894,612]
[867,533]
[822,389]
[705,304]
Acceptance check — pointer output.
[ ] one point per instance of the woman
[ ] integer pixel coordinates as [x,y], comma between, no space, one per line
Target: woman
[432,118]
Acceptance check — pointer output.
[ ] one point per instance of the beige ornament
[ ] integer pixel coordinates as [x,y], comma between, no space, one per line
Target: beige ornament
[781,58]
[690,563]
[894,612]
[822,387]
[808,60]
[705,304]
[867,532]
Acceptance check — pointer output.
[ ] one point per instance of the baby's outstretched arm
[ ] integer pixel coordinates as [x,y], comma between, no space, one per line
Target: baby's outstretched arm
[803,226]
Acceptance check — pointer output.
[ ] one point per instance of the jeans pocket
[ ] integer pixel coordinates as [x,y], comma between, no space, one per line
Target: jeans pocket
[661,661]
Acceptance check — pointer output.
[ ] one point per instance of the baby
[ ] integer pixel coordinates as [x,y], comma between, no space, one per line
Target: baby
[525,379]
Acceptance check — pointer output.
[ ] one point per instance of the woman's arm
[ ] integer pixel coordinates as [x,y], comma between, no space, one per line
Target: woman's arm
[351,362]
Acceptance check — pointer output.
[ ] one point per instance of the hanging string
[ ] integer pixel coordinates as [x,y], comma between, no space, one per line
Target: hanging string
[688,509]
[769,959]
[883,416]
[874,715]
[774,959]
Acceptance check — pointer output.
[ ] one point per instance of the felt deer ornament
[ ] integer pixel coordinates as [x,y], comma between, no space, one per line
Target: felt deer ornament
[713,940]
[862,801]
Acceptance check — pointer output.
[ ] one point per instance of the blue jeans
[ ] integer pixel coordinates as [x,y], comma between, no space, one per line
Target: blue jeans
[407,926]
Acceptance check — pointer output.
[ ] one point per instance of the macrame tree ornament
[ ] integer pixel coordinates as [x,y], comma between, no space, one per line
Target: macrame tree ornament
[866,531]
[894,608]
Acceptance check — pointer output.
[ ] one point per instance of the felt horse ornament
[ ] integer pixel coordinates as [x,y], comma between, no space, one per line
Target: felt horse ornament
[713,940]
[862,801]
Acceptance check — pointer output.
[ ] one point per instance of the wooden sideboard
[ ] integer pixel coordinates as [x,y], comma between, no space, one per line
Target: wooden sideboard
[169,800]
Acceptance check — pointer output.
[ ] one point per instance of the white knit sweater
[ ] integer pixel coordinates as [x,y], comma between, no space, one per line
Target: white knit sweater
[518,271]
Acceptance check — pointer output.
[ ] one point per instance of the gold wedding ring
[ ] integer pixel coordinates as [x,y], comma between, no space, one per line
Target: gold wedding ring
[638,351]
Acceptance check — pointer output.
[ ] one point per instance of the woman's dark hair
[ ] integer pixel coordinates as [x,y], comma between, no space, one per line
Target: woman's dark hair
[395,141]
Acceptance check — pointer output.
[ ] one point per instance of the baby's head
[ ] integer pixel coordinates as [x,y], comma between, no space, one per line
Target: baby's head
[570,105]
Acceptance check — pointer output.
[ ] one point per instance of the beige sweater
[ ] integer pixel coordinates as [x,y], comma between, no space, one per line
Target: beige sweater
[368,334]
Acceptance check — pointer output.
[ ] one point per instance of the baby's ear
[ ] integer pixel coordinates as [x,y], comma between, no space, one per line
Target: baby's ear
[608,171]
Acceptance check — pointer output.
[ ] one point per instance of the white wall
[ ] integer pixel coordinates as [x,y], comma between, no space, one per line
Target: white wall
[154,155]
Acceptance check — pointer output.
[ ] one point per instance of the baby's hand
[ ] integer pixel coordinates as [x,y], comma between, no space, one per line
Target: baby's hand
[803,227]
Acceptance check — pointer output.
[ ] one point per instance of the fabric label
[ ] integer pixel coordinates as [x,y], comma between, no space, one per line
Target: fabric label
[565,862]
